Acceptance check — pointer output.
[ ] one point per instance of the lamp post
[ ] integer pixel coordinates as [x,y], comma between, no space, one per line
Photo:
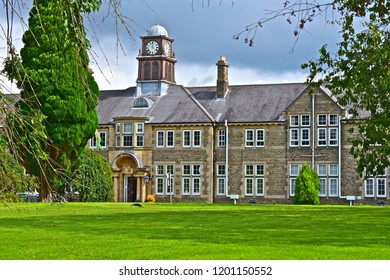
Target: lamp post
[148,178]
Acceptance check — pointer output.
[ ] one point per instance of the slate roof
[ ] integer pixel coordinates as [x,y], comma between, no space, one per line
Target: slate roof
[249,103]
[177,106]
[242,104]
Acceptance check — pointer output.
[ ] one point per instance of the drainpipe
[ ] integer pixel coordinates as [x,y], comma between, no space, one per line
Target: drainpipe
[227,158]
[339,167]
[312,131]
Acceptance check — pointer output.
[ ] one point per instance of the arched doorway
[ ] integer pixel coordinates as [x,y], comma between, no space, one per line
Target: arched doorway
[129,182]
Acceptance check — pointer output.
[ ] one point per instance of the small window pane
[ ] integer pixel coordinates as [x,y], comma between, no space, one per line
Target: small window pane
[186,169]
[333,170]
[322,170]
[128,128]
[294,169]
[333,119]
[305,120]
[322,119]
[294,120]
[249,170]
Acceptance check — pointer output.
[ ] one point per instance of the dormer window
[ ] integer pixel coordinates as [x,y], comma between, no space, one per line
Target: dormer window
[141,103]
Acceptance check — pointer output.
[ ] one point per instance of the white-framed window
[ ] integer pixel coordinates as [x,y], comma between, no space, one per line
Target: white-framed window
[187,138]
[221,179]
[333,187]
[221,138]
[322,170]
[160,185]
[323,187]
[117,135]
[170,138]
[127,140]
[117,141]
[329,183]
[140,141]
[196,169]
[186,186]
[249,138]
[294,120]
[294,137]
[333,119]
[260,138]
[196,138]
[164,183]
[221,186]
[333,169]
[369,187]
[128,128]
[221,170]
[294,172]
[293,182]
[191,175]
[376,186]
[305,137]
[305,120]
[117,128]
[333,136]
[248,186]
[321,137]
[192,138]
[381,187]
[254,179]
[93,142]
[295,169]
[196,186]
[160,138]
[186,170]
[322,120]
[140,127]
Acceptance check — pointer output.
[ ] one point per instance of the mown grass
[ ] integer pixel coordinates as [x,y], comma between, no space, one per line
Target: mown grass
[118,231]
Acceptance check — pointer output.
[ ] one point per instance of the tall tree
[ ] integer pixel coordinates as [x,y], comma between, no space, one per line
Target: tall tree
[58,88]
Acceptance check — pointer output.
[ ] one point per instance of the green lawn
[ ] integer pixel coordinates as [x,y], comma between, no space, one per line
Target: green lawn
[113,231]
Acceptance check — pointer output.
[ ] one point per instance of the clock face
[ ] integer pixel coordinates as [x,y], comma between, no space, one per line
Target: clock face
[167,48]
[152,47]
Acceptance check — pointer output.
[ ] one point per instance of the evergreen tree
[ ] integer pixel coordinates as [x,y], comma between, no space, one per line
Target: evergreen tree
[307,186]
[58,89]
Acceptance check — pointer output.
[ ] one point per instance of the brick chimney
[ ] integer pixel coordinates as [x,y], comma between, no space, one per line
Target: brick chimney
[223,77]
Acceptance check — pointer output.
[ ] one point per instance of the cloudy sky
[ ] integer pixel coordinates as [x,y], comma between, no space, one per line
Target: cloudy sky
[202,34]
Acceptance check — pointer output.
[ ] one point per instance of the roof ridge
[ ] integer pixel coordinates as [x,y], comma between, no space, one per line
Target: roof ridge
[197,103]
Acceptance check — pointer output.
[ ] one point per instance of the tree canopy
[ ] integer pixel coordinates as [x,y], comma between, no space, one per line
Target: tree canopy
[58,91]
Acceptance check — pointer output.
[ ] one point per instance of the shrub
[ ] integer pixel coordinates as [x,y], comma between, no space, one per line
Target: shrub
[93,178]
[150,198]
[307,186]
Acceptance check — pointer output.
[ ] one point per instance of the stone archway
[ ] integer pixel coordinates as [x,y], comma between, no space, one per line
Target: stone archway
[129,184]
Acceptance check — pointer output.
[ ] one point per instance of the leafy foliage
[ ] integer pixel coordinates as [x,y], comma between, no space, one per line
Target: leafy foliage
[59,95]
[307,186]
[12,176]
[359,76]
[93,178]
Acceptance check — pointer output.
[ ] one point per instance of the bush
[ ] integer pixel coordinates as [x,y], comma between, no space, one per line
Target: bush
[9,197]
[93,178]
[307,186]
[150,198]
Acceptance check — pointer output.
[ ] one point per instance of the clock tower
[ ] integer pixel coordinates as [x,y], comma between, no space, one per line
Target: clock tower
[156,62]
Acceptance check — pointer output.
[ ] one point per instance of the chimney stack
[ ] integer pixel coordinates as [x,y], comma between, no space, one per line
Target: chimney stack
[223,77]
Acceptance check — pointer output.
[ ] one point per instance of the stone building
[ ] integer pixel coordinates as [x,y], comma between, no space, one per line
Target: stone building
[224,143]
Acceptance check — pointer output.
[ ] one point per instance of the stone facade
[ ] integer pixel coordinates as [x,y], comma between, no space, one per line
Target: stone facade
[228,144]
